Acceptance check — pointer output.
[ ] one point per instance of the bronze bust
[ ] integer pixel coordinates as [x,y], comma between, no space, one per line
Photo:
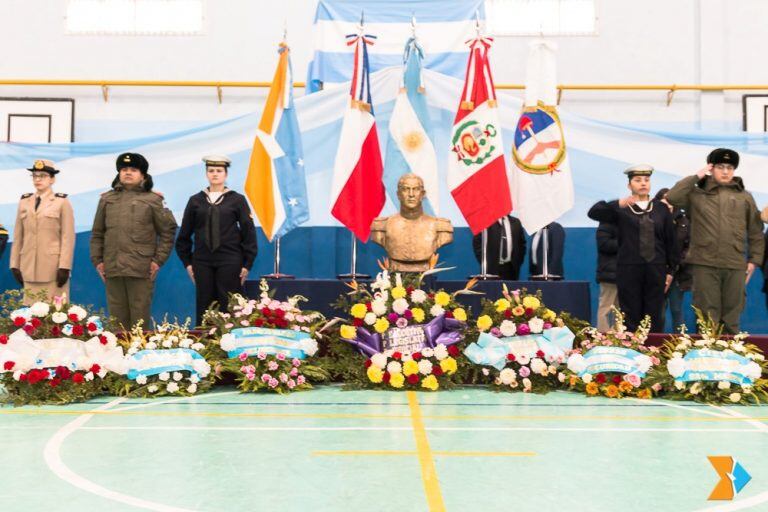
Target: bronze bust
[411,237]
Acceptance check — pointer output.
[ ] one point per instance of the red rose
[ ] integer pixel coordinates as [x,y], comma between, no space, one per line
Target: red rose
[540,353]
[600,378]
[258,322]
[91,327]
[56,330]
[396,356]
[8,366]
[448,314]
[19,321]
[507,313]
[77,330]
[431,295]
[73,317]
[528,312]
[23,377]
[369,306]
[54,382]
[78,378]
[368,363]
[29,329]
[33,376]
[616,379]
[413,379]
[386,377]
[279,313]
[95,368]
[416,356]
[3,339]
[410,290]
[266,312]
[357,322]
[103,339]
[436,370]
[510,357]
[453,351]
[35,322]
[63,372]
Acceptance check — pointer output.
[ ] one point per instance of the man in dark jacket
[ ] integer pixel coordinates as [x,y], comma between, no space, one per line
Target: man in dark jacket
[607,237]
[506,248]
[555,251]
[725,226]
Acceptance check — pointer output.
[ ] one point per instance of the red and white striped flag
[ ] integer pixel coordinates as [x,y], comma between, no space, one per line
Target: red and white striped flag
[477,171]
[357,192]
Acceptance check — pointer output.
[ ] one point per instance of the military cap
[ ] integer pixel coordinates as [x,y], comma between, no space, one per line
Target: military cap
[134,160]
[217,160]
[639,170]
[44,166]
[723,156]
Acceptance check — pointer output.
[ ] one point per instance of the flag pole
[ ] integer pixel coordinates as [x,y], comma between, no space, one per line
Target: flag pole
[545,275]
[484,275]
[276,274]
[353,270]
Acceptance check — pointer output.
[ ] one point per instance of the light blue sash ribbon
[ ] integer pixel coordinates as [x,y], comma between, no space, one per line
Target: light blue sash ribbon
[269,341]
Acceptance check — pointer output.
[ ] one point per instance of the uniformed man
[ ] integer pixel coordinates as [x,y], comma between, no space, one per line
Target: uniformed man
[647,256]
[44,237]
[132,237]
[725,226]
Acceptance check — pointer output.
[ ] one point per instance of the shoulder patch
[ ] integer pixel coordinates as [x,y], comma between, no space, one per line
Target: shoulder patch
[28,194]
[59,194]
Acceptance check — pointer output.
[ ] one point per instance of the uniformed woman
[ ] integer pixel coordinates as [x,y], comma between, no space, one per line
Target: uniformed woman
[44,237]
[217,239]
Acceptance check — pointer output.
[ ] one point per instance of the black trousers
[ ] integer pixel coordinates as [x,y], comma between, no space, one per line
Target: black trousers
[641,292]
[214,283]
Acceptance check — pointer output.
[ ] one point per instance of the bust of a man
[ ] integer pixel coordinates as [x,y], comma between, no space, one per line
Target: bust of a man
[411,237]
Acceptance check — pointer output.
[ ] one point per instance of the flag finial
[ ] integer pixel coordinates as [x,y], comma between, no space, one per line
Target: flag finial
[413,25]
[477,23]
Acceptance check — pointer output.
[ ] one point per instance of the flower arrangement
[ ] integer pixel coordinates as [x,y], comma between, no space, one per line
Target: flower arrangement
[397,324]
[712,369]
[615,364]
[520,343]
[166,361]
[265,343]
[56,353]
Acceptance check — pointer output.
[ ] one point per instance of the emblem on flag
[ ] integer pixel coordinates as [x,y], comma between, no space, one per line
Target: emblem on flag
[473,143]
[539,145]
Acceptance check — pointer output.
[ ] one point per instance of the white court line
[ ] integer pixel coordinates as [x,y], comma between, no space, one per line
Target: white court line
[52,454]
[169,401]
[687,408]
[434,429]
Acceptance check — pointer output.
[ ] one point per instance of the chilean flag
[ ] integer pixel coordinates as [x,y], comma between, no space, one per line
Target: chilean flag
[357,192]
[477,170]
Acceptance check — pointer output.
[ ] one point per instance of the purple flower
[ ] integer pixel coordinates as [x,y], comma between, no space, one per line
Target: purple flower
[392,317]
[401,322]
[547,325]
[523,329]
[495,331]
[524,371]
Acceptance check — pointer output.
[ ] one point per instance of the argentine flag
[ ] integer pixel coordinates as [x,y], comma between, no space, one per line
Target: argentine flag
[410,147]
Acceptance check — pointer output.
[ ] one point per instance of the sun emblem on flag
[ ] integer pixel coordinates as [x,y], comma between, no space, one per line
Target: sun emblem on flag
[473,143]
[539,145]
[413,141]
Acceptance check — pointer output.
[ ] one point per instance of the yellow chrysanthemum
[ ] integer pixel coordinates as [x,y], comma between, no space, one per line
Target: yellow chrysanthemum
[442,298]
[460,314]
[396,380]
[502,305]
[358,311]
[549,315]
[398,292]
[381,325]
[644,393]
[611,391]
[592,388]
[529,301]
[484,323]
[410,368]
[375,374]
[625,386]
[418,315]
[448,365]
[348,332]
[430,382]
[518,311]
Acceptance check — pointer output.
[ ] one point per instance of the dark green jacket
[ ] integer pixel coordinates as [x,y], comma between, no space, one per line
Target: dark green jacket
[726,230]
[132,228]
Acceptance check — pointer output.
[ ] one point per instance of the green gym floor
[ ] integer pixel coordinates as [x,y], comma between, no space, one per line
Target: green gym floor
[334,450]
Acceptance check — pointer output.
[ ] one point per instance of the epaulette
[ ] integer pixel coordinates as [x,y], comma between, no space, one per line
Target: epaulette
[28,194]
[60,194]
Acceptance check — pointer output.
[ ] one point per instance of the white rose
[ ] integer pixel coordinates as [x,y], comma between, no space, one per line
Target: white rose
[508,328]
[177,376]
[723,384]
[436,310]
[164,376]
[399,306]
[427,352]
[102,373]
[735,397]
[172,387]
[425,367]
[507,376]
[141,380]
[536,325]
[418,296]
[39,309]
[185,343]
[59,317]
[151,345]
[527,384]
[379,307]
[370,318]
[676,366]
[194,379]
[198,346]
[192,388]
[152,389]
[441,352]
[587,378]
[227,342]
[538,366]
[524,359]
[576,363]
[167,343]
[721,343]
[561,377]
[394,367]
[79,312]
[679,385]
[89,376]
[379,360]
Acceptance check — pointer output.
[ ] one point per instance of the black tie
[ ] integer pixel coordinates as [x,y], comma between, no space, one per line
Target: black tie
[37,202]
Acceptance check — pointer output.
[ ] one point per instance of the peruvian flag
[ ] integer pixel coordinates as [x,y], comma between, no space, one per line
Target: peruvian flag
[357,192]
[477,171]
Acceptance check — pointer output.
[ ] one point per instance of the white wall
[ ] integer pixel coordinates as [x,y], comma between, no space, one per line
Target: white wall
[645,42]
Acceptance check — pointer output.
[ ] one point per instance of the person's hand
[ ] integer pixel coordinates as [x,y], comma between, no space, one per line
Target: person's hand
[750,270]
[668,282]
[191,273]
[705,171]
[627,201]
[17,275]
[243,275]
[153,268]
[100,270]
[62,276]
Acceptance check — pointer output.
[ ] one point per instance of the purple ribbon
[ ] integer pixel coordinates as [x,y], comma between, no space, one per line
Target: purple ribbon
[440,330]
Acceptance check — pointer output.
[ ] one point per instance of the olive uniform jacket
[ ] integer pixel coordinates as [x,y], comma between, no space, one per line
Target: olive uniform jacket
[725,222]
[43,239]
[132,228]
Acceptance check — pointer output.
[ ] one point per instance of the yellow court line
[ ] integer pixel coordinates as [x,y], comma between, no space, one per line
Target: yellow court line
[434,453]
[428,472]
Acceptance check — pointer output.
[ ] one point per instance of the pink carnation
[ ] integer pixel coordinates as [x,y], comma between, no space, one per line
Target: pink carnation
[266,377]
[280,356]
[523,329]
[524,371]
[296,362]
[243,356]
[273,383]
[291,384]
[272,366]
[300,380]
